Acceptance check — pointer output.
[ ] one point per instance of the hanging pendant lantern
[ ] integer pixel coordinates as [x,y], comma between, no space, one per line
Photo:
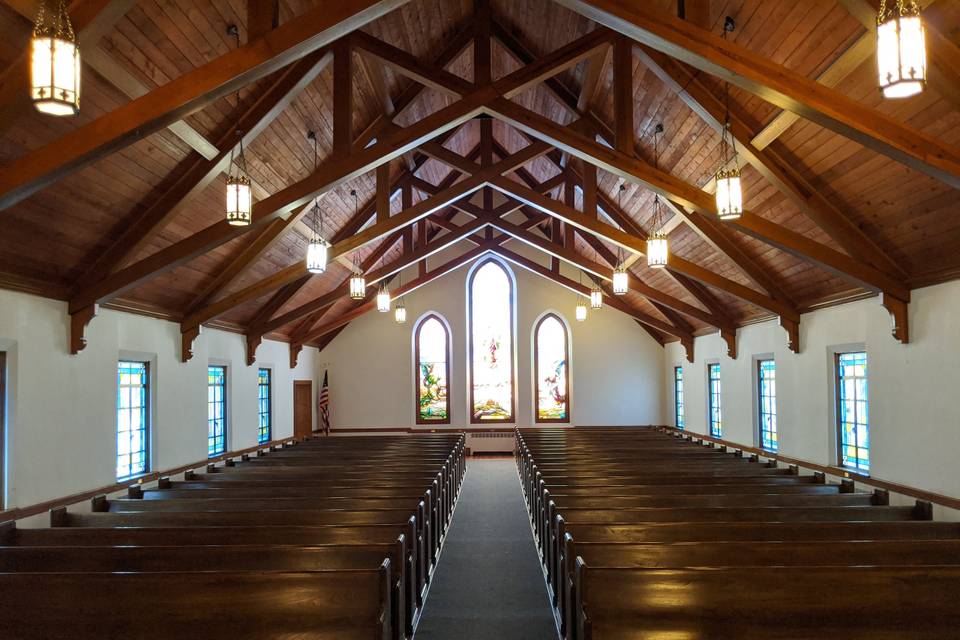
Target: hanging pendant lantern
[581,313]
[657,251]
[400,312]
[317,247]
[358,284]
[901,49]
[383,299]
[317,255]
[54,61]
[358,287]
[620,281]
[596,297]
[729,194]
[239,200]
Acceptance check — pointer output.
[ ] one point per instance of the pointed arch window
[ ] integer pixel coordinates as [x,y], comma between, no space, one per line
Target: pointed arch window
[492,386]
[551,358]
[432,356]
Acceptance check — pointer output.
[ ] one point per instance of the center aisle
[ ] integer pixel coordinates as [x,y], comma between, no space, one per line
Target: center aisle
[488,583]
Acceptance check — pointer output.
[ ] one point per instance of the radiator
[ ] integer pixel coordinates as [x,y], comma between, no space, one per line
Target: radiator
[495,442]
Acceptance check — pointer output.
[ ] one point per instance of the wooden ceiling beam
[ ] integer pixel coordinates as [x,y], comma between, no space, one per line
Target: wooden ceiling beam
[570,256]
[91,19]
[262,16]
[406,64]
[406,260]
[331,173]
[583,290]
[638,245]
[775,84]
[406,289]
[777,171]
[420,210]
[197,173]
[631,168]
[187,94]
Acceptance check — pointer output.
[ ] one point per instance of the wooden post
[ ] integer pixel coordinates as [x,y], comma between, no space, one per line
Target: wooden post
[383,192]
[623,94]
[262,16]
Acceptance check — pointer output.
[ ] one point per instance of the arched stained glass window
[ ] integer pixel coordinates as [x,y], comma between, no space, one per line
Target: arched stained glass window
[491,344]
[551,370]
[432,345]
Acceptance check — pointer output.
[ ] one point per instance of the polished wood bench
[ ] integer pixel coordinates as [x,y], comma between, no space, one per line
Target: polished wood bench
[228,605]
[879,603]
[147,559]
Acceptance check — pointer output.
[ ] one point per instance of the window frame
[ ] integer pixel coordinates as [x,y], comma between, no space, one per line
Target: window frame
[838,404]
[147,417]
[3,429]
[536,370]
[679,412]
[224,413]
[758,390]
[416,366]
[710,400]
[513,341]
[269,399]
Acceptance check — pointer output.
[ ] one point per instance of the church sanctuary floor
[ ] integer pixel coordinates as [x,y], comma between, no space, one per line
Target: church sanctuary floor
[488,582]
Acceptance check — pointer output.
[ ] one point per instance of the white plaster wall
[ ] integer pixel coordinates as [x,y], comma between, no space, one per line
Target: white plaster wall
[914,413]
[61,427]
[615,365]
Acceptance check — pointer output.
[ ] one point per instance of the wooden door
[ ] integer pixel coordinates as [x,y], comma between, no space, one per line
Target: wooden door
[302,408]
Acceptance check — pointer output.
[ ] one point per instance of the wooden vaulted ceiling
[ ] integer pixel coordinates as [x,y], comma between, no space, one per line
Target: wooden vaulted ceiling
[865,217]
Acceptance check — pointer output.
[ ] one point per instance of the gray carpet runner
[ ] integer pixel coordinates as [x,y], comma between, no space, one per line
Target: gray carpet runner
[488,583]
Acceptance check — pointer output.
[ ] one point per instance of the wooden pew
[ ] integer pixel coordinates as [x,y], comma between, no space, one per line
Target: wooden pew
[145,559]
[246,605]
[879,603]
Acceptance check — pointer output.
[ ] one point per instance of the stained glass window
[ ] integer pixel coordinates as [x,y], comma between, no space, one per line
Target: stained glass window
[216,410]
[715,416]
[432,345]
[853,423]
[491,344]
[264,402]
[133,418]
[551,363]
[678,395]
[767,400]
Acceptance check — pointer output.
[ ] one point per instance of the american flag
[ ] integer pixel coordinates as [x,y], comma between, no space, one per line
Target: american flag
[323,406]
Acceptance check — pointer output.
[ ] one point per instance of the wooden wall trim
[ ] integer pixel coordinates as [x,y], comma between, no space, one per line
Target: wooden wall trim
[42,507]
[871,481]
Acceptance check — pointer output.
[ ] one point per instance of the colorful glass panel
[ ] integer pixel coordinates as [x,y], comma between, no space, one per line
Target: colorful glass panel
[264,401]
[433,399]
[132,419]
[550,351]
[491,344]
[715,415]
[216,410]
[678,395]
[767,398]
[853,421]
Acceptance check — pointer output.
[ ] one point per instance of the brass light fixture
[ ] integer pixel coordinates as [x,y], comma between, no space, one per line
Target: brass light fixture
[621,281]
[400,311]
[901,49]
[54,61]
[239,195]
[317,247]
[729,193]
[658,247]
[383,298]
[358,285]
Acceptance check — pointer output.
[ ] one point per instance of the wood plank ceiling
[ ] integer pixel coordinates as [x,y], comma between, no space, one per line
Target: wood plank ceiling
[50,241]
